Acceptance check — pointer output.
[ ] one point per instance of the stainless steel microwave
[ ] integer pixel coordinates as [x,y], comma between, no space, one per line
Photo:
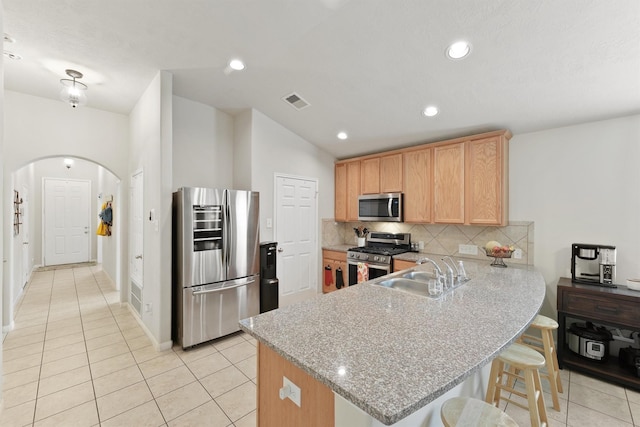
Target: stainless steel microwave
[380,207]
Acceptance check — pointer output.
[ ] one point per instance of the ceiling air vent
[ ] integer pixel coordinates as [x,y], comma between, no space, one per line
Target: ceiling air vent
[296,101]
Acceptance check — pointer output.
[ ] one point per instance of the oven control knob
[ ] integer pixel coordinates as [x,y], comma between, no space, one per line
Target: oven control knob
[375,258]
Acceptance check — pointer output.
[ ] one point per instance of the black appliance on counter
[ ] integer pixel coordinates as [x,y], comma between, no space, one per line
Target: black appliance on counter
[376,258]
[269,283]
[593,264]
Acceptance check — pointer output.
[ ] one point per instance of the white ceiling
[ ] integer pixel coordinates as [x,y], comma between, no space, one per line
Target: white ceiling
[368,67]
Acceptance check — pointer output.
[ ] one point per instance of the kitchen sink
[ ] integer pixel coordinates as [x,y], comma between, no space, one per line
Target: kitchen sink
[407,285]
[423,276]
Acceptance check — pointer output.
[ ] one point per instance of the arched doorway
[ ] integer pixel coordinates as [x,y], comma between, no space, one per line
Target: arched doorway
[27,253]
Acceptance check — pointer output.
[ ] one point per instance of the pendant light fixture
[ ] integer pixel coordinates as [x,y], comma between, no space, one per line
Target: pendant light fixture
[73,92]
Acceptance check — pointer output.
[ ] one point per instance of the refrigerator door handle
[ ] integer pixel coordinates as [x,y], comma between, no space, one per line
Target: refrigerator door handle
[248,282]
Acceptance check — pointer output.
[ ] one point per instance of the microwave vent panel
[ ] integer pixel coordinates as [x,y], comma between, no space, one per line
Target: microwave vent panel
[296,101]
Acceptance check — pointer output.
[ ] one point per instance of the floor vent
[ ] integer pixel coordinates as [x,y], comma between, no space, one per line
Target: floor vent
[296,101]
[136,297]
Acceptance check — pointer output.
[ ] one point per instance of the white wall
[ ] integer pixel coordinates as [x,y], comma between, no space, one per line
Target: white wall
[150,151]
[242,155]
[277,149]
[2,186]
[202,145]
[108,186]
[579,184]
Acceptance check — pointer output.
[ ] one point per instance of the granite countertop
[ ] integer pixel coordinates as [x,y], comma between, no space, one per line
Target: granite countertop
[391,353]
[339,248]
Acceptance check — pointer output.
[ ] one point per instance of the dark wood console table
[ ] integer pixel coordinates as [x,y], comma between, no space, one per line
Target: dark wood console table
[617,307]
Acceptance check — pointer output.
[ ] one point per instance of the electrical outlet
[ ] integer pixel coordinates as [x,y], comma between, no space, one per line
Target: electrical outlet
[269,222]
[290,390]
[517,254]
[468,249]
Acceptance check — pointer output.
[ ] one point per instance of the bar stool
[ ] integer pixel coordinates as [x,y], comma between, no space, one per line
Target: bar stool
[466,411]
[545,345]
[519,357]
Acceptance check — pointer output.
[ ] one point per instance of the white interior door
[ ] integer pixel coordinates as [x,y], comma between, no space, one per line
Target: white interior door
[297,237]
[136,240]
[66,213]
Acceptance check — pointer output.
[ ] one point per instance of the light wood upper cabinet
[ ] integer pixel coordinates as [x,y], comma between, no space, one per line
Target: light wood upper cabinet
[417,189]
[391,173]
[340,206]
[458,181]
[370,179]
[486,184]
[347,190]
[448,183]
[353,190]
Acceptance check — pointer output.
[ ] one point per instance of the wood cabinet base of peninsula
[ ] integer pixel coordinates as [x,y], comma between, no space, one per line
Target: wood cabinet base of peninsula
[317,400]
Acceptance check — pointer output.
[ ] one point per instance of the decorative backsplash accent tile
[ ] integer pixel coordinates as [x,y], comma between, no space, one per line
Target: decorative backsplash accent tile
[441,239]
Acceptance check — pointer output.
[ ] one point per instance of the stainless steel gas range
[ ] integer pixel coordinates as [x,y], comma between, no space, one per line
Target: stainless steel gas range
[376,258]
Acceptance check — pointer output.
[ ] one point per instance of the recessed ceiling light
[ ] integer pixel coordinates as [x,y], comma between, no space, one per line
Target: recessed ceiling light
[430,111]
[458,50]
[236,64]
[342,135]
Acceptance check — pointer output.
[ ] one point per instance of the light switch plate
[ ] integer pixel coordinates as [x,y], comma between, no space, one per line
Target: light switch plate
[468,249]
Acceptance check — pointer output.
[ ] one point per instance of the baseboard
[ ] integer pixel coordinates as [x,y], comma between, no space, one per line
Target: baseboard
[167,345]
[8,328]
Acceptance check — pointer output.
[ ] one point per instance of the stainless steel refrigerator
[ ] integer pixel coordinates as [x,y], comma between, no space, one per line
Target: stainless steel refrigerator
[216,262]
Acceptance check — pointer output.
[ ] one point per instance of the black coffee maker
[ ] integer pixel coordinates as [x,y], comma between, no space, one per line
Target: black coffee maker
[593,264]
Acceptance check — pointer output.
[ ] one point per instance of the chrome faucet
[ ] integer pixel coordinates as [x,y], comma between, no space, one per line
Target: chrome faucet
[461,275]
[450,278]
[435,265]
[436,269]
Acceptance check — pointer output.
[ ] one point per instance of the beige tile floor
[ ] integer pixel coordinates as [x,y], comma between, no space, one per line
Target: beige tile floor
[76,358]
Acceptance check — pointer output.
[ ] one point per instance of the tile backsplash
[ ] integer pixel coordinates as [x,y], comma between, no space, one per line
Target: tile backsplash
[441,239]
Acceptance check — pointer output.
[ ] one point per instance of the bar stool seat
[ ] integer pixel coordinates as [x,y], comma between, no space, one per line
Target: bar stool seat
[546,346]
[466,411]
[518,358]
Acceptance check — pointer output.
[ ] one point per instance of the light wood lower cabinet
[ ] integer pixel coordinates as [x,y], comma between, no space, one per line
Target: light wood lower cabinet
[399,264]
[317,407]
[337,261]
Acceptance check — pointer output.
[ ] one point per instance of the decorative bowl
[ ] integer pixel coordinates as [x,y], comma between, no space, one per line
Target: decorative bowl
[498,257]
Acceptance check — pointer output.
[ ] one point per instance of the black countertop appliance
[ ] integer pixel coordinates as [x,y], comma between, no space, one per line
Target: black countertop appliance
[269,284]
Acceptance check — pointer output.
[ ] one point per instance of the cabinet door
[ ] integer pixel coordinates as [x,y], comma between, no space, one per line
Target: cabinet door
[402,265]
[340,206]
[370,176]
[448,188]
[417,191]
[353,190]
[391,173]
[486,181]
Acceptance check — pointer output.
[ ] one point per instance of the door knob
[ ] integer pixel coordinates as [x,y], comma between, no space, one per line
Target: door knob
[138,256]
[25,243]
[280,250]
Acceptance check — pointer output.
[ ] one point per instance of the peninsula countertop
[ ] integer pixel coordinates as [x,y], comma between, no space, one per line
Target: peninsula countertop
[391,353]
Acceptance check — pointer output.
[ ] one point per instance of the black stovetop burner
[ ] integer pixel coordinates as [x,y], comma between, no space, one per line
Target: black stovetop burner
[379,250]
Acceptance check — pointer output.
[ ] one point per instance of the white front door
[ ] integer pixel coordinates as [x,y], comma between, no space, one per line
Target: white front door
[66,221]
[297,236]
[136,240]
